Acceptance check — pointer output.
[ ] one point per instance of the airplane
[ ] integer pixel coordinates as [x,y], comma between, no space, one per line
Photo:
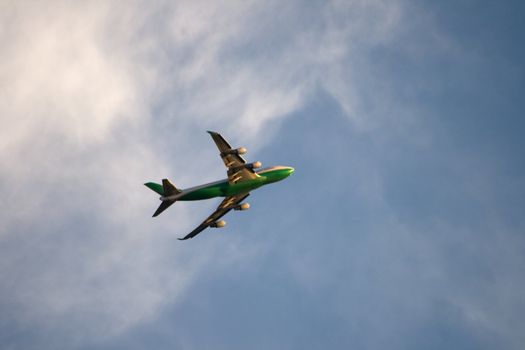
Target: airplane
[242,178]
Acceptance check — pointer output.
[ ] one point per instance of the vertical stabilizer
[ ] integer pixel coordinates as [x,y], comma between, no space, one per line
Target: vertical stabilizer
[155,187]
[165,190]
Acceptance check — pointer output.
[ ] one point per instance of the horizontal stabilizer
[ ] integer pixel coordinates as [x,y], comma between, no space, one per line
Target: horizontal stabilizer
[163,206]
[169,188]
[165,190]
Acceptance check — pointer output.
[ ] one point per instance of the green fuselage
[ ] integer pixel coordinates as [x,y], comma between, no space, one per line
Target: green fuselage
[223,188]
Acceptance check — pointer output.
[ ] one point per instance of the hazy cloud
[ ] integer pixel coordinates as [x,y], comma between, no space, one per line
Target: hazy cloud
[98,97]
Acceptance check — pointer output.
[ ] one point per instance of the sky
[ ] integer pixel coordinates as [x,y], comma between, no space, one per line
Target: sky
[402,227]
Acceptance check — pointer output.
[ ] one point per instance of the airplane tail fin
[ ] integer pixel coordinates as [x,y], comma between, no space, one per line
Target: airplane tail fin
[155,187]
[165,190]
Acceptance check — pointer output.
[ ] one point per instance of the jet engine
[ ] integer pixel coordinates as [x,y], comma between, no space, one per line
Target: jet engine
[240,150]
[243,206]
[255,165]
[252,166]
[218,224]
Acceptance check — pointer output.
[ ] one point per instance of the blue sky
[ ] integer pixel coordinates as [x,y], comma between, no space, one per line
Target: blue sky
[402,226]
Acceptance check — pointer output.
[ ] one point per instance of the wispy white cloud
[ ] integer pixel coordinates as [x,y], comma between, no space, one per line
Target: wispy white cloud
[86,87]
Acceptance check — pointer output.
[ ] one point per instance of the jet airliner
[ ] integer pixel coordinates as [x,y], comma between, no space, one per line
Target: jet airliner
[242,178]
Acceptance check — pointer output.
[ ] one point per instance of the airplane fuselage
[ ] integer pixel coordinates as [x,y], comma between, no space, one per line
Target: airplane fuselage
[242,179]
[224,188]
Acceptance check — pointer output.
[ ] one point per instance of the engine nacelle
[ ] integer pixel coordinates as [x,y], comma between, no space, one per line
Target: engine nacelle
[218,224]
[240,150]
[252,166]
[243,206]
[256,165]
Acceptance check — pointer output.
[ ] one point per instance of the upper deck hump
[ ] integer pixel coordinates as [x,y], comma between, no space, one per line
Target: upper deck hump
[272,168]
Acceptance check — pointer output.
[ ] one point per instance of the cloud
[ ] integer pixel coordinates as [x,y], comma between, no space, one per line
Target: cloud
[98,97]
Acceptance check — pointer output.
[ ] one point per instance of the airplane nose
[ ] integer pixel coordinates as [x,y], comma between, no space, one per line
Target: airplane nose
[290,171]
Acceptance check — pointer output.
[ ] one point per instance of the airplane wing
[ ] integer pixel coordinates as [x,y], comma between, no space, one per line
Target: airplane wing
[237,172]
[226,205]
